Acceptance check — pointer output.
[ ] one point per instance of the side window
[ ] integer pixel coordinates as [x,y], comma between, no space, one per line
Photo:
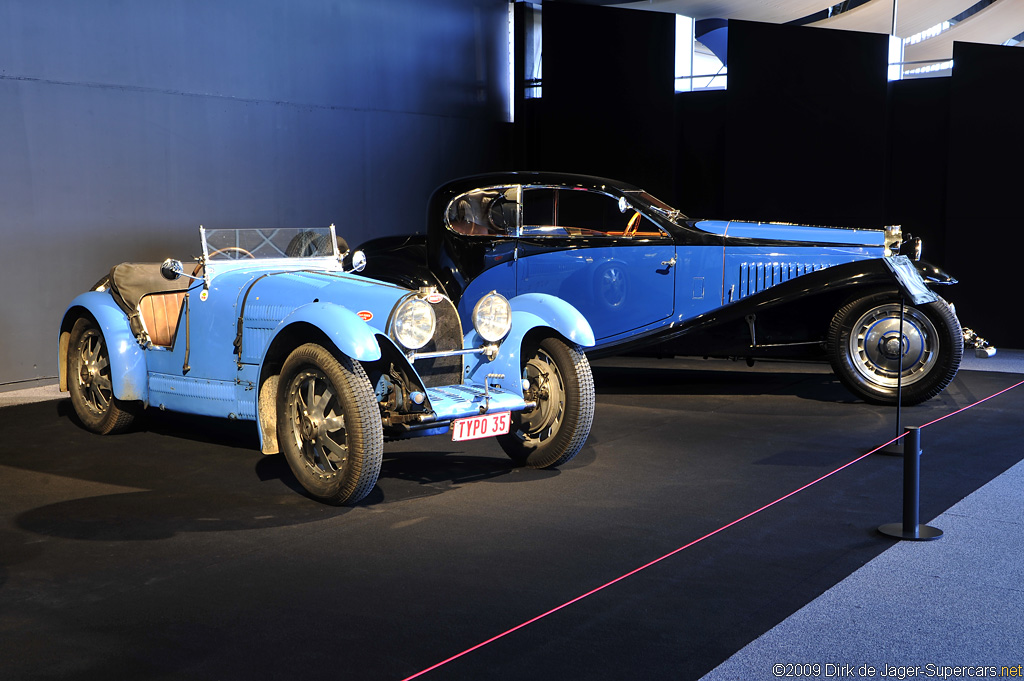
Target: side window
[540,205]
[483,212]
[587,213]
[561,212]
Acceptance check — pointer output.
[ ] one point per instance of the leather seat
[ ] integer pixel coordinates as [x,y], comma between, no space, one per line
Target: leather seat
[160,315]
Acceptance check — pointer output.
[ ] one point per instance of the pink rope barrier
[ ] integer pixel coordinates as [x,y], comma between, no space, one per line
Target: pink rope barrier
[668,555]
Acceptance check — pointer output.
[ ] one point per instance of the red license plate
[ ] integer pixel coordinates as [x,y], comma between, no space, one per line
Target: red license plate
[485,425]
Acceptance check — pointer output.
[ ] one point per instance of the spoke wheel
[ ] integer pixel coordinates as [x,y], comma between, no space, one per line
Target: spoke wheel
[329,425]
[867,350]
[91,384]
[562,386]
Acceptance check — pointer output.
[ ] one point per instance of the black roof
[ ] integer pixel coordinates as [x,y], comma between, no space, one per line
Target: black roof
[531,177]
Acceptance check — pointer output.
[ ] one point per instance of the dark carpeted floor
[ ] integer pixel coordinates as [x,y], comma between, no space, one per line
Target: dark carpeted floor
[178,551]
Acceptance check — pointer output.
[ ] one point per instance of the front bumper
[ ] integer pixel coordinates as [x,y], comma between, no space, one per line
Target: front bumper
[450,402]
[459,401]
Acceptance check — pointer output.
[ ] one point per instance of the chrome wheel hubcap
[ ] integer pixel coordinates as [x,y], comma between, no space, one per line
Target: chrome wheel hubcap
[878,350]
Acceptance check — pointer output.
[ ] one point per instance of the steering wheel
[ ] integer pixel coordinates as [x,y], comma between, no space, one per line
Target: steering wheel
[237,250]
[631,227]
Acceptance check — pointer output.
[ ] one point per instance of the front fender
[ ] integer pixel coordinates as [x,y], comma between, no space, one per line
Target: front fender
[127,358]
[352,336]
[529,311]
[556,313]
[934,275]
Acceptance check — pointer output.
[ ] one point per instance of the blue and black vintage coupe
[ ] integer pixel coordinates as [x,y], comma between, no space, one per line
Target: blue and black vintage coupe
[271,326]
[650,279]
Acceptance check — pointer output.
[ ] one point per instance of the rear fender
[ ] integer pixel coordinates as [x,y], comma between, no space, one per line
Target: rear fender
[531,312]
[127,358]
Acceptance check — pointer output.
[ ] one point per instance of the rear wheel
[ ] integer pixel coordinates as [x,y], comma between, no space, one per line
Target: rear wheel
[562,385]
[328,425]
[90,382]
[867,351]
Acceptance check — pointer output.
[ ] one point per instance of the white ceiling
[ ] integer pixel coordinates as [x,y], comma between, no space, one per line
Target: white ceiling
[993,25]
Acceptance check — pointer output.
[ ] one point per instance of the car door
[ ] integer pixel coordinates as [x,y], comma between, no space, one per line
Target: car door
[615,266]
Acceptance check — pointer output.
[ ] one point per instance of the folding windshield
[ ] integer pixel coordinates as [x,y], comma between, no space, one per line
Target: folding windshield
[643,198]
[260,244]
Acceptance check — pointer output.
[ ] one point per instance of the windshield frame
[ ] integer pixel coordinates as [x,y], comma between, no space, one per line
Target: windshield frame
[263,238]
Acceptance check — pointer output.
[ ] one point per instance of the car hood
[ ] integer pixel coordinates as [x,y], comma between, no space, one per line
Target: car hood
[275,293]
[738,233]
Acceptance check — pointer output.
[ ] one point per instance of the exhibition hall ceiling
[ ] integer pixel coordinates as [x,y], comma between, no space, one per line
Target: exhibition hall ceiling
[993,24]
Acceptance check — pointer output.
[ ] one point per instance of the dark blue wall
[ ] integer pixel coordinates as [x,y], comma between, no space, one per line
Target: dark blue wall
[126,125]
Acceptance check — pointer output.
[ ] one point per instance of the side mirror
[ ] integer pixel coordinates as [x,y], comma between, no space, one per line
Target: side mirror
[172,269]
[358,261]
[624,204]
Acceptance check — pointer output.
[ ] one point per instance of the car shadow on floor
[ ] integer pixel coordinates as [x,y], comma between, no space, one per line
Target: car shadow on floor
[686,379]
[174,473]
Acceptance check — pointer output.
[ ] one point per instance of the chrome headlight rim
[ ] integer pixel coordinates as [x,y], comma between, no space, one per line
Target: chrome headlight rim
[492,317]
[413,323]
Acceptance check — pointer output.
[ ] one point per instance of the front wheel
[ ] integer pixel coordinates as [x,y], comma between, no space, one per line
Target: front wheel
[328,425]
[867,351]
[90,382]
[561,383]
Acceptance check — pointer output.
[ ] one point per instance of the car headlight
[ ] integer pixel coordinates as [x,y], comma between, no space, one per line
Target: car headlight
[414,323]
[492,317]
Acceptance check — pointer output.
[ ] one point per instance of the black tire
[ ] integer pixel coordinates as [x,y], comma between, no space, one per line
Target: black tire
[563,386]
[307,244]
[864,348]
[328,425]
[90,382]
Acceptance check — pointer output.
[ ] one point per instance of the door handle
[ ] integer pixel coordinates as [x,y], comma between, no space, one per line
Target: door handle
[669,263]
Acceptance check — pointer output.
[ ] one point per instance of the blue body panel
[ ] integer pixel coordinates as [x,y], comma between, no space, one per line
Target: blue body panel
[616,288]
[779,231]
[752,270]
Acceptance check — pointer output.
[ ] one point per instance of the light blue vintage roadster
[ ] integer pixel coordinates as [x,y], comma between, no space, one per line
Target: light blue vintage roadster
[272,326]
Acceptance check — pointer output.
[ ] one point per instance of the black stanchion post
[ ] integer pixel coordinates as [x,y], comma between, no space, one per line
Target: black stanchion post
[894,448]
[911,528]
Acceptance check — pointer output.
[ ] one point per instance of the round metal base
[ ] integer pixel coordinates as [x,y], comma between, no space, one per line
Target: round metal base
[892,449]
[919,533]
